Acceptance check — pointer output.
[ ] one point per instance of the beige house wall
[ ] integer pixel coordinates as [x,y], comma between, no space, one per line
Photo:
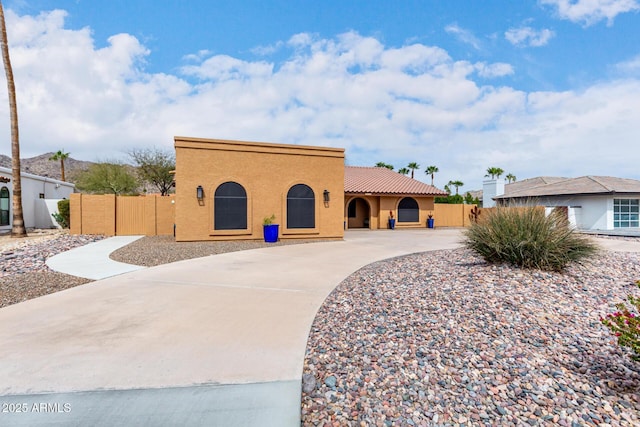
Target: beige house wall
[382,205]
[267,172]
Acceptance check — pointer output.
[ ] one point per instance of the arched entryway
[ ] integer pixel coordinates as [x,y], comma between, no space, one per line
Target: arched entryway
[358,213]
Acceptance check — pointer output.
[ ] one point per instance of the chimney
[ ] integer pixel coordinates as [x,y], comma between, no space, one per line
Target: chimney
[490,189]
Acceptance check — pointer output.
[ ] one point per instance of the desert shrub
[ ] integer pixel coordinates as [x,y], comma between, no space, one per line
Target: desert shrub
[63,217]
[527,238]
[625,324]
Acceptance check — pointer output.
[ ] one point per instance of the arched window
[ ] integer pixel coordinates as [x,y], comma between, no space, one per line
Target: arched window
[4,206]
[408,210]
[230,207]
[301,207]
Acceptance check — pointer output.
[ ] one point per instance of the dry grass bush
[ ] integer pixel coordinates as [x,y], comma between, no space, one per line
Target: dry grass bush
[528,238]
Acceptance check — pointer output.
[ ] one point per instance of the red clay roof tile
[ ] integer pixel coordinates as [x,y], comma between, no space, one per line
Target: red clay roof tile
[376,180]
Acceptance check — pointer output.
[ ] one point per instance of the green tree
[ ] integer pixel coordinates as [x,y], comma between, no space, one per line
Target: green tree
[107,178]
[155,166]
[510,178]
[432,170]
[17,229]
[494,172]
[384,165]
[470,200]
[456,184]
[62,156]
[403,171]
[454,199]
[413,166]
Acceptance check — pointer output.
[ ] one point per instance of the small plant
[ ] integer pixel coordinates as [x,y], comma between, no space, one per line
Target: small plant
[63,216]
[268,220]
[60,220]
[527,238]
[430,215]
[390,214]
[625,324]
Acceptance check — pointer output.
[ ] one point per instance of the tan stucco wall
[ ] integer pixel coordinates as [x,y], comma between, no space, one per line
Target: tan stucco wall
[267,172]
[381,205]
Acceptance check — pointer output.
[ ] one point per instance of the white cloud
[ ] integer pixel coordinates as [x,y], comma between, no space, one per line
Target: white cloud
[401,104]
[464,35]
[499,69]
[630,67]
[590,12]
[198,56]
[527,36]
[267,50]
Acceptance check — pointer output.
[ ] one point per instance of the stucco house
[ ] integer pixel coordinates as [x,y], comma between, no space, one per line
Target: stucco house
[373,193]
[40,196]
[224,190]
[591,202]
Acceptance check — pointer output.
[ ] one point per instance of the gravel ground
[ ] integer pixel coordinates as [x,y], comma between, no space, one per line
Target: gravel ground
[156,250]
[23,272]
[440,338]
[443,338]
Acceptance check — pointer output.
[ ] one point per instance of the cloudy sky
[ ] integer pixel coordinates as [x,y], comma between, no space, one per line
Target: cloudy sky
[536,87]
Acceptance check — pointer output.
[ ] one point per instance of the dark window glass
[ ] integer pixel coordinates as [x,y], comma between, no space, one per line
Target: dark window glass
[352,209]
[408,210]
[230,211]
[4,206]
[301,207]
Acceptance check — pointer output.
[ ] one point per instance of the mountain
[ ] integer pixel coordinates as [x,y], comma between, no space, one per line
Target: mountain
[41,165]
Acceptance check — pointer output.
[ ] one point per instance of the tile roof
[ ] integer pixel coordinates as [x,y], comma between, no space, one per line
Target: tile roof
[376,180]
[518,186]
[575,186]
[528,183]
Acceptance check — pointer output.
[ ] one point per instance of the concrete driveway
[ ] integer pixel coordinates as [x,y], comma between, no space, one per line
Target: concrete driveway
[211,341]
[215,341]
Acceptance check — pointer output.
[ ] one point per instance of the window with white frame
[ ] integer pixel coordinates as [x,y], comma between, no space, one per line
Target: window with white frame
[626,213]
[4,206]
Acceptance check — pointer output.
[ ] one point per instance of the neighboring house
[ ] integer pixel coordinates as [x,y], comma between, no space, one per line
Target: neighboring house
[40,196]
[371,193]
[509,188]
[590,202]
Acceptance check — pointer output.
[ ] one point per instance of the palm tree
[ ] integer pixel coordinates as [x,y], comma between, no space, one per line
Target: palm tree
[403,171]
[384,165]
[413,166]
[456,184]
[62,156]
[511,178]
[431,170]
[494,172]
[17,229]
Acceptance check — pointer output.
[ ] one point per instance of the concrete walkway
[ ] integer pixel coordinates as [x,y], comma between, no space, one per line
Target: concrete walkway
[215,341]
[92,261]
